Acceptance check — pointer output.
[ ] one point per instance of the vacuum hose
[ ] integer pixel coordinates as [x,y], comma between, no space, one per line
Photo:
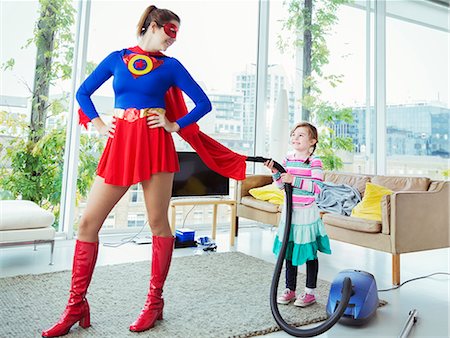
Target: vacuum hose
[347,283]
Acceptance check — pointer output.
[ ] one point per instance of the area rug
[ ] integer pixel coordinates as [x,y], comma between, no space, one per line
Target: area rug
[211,295]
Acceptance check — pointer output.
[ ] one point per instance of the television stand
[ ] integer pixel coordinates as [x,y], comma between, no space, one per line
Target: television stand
[206,201]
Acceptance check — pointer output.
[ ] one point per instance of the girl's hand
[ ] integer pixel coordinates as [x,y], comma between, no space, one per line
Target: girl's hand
[269,164]
[287,178]
[160,120]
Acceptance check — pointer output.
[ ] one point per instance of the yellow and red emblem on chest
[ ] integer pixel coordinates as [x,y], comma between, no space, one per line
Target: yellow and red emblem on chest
[139,65]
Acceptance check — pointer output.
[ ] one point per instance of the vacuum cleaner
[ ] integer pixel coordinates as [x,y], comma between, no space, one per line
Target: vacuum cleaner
[353,297]
[363,302]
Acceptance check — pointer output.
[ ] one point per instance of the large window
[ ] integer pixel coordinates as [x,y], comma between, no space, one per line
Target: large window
[220,44]
[417,89]
[217,43]
[349,41]
[34,99]
[283,107]
[413,74]
[351,47]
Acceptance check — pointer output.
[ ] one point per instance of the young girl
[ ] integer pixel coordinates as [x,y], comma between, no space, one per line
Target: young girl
[307,235]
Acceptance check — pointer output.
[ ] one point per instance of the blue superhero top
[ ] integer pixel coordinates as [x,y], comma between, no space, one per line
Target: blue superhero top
[141,81]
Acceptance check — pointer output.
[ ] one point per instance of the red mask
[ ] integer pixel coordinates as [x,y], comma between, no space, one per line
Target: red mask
[170,29]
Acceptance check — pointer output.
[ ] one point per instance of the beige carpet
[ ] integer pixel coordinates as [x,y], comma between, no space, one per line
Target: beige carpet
[212,295]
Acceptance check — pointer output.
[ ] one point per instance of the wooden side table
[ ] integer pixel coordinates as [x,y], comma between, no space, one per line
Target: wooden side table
[205,201]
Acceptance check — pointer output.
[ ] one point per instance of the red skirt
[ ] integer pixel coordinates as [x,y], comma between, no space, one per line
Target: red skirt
[136,152]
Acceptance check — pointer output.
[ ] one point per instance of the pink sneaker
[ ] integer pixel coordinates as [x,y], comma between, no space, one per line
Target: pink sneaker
[305,300]
[287,297]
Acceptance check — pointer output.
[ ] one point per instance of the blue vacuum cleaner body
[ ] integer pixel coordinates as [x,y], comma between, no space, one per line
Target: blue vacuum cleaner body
[363,302]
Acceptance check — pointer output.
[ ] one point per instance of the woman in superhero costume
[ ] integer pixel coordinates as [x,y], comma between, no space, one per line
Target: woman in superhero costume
[149,107]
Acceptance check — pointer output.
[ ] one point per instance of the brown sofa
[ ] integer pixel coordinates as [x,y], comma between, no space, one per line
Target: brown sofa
[414,218]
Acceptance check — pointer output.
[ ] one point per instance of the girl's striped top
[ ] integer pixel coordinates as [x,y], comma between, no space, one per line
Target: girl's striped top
[307,179]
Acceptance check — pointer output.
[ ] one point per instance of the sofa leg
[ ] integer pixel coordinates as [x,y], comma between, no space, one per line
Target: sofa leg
[396,269]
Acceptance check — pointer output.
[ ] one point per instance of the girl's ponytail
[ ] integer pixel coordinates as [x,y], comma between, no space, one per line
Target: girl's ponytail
[314,149]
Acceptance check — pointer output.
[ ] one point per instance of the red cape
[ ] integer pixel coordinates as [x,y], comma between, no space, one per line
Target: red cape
[215,155]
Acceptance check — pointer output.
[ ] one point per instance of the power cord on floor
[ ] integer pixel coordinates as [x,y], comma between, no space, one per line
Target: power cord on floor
[125,240]
[185,217]
[131,238]
[413,279]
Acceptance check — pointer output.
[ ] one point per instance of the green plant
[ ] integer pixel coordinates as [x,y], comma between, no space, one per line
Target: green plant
[446,174]
[34,170]
[33,156]
[308,24]
[26,152]
[54,54]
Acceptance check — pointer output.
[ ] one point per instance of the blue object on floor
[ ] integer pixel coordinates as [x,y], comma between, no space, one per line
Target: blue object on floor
[363,301]
[205,240]
[185,235]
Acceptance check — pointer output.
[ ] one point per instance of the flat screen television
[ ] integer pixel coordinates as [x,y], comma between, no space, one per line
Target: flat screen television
[196,179]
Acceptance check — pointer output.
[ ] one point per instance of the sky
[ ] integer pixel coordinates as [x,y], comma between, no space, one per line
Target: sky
[217,39]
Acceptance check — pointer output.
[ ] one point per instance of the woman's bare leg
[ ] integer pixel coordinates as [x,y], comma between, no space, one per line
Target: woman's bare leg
[157,194]
[102,198]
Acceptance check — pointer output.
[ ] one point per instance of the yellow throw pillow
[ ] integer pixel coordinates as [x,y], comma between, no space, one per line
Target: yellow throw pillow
[370,206]
[269,192]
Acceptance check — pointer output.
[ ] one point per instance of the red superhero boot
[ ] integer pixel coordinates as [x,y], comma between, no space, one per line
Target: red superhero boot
[77,308]
[153,309]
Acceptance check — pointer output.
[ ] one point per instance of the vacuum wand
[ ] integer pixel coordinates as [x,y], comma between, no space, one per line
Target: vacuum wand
[261,159]
[412,319]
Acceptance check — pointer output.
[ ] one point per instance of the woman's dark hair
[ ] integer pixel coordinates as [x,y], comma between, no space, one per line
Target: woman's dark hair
[151,13]
[312,131]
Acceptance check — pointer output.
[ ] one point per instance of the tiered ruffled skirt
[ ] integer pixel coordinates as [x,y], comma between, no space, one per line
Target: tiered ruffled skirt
[307,235]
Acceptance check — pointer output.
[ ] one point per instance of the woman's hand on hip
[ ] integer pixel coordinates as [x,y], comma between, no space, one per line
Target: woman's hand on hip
[160,120]
[103,128]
